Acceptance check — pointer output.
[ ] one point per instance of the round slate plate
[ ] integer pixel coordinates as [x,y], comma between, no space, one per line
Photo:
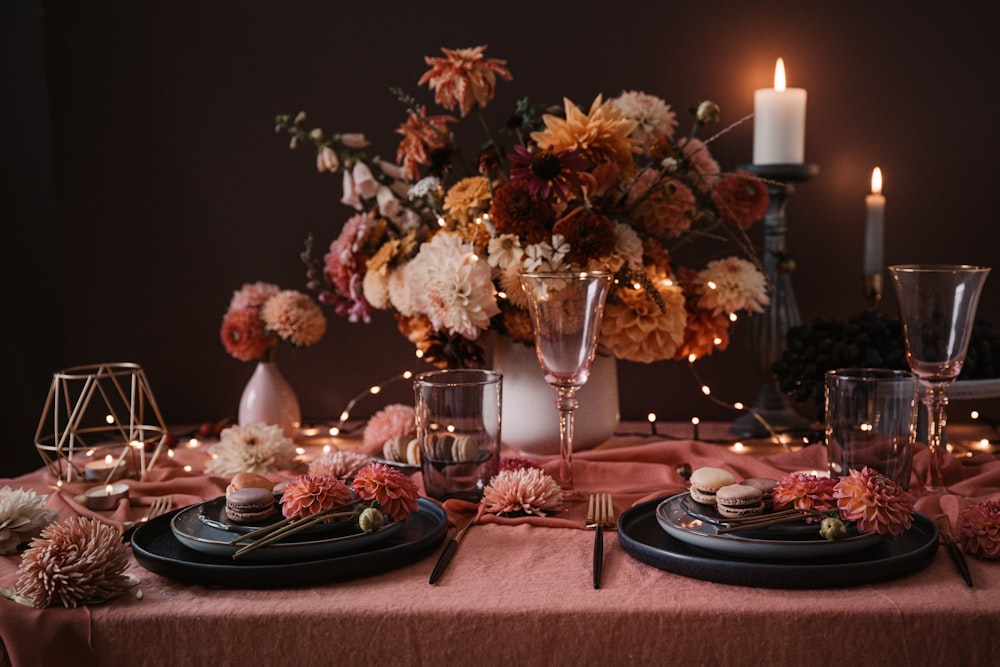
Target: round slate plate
[641,536]
[157,550]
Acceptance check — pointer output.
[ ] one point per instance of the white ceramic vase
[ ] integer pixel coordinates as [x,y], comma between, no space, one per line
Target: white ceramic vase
[530,418]
[270,399]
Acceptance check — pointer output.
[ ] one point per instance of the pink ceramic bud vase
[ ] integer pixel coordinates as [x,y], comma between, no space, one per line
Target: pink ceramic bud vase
[270,399]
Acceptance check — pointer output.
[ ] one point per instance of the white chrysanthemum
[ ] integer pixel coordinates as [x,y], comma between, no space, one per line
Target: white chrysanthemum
[452,287]
[504,251]
[258,447]
[628,248]
[522,491]
[732,284]
[22,517]
[654,118]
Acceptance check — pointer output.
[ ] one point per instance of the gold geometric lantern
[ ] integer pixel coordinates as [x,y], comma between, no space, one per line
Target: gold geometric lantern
[95,419]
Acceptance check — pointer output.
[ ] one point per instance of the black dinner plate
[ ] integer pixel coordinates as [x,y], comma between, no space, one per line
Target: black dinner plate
[157,550]
[642,537]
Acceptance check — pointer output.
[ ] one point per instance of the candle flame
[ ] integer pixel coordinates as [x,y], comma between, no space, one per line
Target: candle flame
[109,489]
[876,181]
[779,75]
[109,459]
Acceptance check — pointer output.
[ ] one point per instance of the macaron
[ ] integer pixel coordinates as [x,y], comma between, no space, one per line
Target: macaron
[766,487]
[249,505]
[736,501]
[248,480]
[706,481]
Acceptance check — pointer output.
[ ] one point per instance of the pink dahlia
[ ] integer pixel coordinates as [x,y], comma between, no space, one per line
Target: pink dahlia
[389,422]
[307,495]
[253,295]
[805,492]
[979,530]
[338,464]
[874,501]
[395,492]
[294,317]
[522,491]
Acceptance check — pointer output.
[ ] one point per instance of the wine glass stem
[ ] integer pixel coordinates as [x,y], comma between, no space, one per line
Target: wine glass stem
[566,403]
[936,401]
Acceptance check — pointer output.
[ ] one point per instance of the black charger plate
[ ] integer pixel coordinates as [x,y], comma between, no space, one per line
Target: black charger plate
[641,536]
[157,550]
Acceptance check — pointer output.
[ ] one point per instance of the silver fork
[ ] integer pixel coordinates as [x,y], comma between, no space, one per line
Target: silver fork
[160,505]
[600,514]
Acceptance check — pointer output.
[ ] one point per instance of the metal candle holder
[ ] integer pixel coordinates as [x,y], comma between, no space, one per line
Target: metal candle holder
[772,411]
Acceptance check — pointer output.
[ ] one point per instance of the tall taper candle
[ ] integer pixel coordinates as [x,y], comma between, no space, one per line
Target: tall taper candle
[779,122]
[874,223]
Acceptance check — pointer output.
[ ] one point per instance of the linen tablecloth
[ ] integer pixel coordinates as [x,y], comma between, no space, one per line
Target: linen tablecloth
[520,592]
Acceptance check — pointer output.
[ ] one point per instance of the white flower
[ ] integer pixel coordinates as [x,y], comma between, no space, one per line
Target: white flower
[388,204]
[350,197]
[628,247]
[258,447]
[654,118]
[504,250]
[327,160]
[544,256]
[732,284]
[364,180]
[22,517]
[425,187]
[452,287]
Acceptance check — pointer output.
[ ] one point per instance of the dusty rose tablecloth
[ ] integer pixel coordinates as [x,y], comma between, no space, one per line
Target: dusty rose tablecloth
[520,592]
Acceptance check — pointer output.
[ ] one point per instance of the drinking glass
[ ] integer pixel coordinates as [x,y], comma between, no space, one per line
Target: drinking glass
[566,310]
[937,305]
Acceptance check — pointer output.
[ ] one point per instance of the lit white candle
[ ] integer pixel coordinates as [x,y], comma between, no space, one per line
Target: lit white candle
[779,122]
[874,222]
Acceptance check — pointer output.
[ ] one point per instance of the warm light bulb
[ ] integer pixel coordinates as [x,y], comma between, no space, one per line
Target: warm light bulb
[109,419]
[374,389]
[779,75]
[407,375]
[692,358]
[344,416]
[711,285]
[109,459]
[334,431]
[695,421]
[974,414]
[651,417]
[738,405]
[705,389]
[876,181]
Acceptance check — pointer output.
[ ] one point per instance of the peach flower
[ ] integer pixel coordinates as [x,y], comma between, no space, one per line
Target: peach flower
[395,492]
[875,502]
[307,495]
[979,530]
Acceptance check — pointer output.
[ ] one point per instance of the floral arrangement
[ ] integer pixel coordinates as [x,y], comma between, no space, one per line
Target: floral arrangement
[22,517]
[439,241]
[261,314]
[872,501]
[74,562]
[258,448]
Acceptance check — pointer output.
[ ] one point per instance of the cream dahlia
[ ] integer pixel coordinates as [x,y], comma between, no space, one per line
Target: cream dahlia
[875,502]
[635,328]
[307,495]
[22,516]
[338,464]
[396,493]
[520,491]
[805,492]
[654,118]
[74,562]
[979,530]
[257,447]
[732,284]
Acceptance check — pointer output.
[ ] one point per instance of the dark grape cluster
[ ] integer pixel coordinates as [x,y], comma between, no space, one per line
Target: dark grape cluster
[868,340]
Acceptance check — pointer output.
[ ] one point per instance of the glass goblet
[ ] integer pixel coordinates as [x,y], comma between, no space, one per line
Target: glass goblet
[937,305]
[566,309]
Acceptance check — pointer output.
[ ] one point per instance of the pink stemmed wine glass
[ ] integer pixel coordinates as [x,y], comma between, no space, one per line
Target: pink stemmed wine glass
[566,309]
[937,305]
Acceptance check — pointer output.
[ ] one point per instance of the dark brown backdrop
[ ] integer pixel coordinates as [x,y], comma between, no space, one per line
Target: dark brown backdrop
[143,182]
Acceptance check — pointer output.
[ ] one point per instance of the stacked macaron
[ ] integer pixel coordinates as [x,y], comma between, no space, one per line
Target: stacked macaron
[737,501]
[733,499]
[706,481]
[402,449]
[249,498]
[766,487]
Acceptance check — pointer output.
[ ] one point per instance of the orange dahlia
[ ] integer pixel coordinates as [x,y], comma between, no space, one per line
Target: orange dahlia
[425,139]
[307,495]
[874,501]
[805,492]
[465,78]
[395,492]
[600,135]
[741,199]
[979,530]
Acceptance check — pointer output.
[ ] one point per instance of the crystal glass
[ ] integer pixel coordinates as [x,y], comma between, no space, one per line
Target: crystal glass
[937,305]
[566,313]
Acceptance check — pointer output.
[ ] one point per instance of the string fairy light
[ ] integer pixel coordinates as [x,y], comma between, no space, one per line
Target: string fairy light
[373,390]
[739,406]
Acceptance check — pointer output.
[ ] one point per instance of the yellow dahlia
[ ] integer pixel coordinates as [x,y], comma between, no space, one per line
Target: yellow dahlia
[635,328]
[601,135]
[979,530]
[874,501]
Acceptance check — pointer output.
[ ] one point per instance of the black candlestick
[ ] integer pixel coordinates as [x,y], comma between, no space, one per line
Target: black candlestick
[766,336]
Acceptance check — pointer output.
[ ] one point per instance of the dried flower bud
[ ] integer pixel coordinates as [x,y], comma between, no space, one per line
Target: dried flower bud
[354,140]
[300,117]
[293,143]
[832,528]
[370,520]
[708,112]
[316,133]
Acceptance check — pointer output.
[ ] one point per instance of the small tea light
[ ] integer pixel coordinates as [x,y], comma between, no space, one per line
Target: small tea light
[98,470]
[106,496]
